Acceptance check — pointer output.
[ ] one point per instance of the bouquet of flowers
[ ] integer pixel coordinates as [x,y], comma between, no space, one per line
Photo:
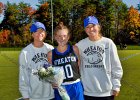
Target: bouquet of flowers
[53,74]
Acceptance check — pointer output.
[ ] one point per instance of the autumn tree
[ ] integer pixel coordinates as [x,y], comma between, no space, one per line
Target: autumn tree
[133,24]
[16,16]
[132,21]
[4,36]
[43,14]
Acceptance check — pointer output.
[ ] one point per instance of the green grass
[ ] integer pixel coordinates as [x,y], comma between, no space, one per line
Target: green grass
[130,89]
[9,75]
[10,49]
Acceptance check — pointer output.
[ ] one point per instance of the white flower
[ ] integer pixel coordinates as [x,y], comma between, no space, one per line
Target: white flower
[53,74]
[42,70]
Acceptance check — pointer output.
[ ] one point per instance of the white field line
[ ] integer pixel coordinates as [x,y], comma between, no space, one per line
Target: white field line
[136,88]
[9,58]
[130,56]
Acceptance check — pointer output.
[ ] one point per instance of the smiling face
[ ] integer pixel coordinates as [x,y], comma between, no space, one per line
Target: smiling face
[93,31]
[62,37]
[39,35]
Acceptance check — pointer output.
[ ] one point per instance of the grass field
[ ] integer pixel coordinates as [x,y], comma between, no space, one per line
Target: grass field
[130,89]
[9,75]
[130,83]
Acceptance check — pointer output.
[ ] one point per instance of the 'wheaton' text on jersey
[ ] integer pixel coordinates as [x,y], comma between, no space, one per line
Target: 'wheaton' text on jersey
[64,60]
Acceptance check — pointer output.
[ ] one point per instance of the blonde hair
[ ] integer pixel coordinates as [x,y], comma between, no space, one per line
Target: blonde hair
[99,26]
[60,26]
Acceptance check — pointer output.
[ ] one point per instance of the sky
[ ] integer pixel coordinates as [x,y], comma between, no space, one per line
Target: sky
[33,3]
[131,2]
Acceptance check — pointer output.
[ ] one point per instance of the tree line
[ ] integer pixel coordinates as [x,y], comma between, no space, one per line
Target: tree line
[120,23]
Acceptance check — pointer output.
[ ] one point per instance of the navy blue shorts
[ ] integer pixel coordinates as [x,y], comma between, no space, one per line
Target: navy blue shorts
[75,91]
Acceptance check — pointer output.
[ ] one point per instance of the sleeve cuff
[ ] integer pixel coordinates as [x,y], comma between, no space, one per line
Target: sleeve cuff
[116,88]
[25,95]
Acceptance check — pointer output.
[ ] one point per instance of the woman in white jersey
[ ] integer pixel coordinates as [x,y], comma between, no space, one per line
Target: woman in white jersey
[100,69]
[31,58]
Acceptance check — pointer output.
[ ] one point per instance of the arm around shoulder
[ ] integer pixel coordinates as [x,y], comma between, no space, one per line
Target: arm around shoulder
[49,57]
[76,51]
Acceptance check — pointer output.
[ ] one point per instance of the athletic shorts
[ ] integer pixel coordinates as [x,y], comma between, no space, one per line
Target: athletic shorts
[75,91]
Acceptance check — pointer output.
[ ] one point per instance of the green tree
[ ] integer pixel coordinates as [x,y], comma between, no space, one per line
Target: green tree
[72,13]
[69,12]
[63,10]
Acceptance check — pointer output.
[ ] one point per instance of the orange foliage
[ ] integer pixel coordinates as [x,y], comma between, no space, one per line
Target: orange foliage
[133,18]
[45,5]
[29,10]
[42,12]
[44,8]
[4,36]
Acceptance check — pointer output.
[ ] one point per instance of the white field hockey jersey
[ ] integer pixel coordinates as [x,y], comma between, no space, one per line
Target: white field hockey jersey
[100,68]
[30,59]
